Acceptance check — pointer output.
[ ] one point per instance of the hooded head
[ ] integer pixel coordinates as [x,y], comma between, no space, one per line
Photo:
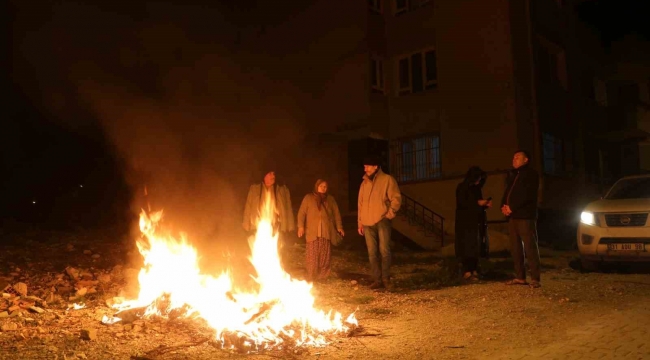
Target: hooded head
[475,175]
[268,173]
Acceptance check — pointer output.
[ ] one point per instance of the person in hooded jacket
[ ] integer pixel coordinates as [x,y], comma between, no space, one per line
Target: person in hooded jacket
[470,218]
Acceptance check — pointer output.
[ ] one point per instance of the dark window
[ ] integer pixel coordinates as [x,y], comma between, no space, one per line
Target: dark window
[416,159]
[633,188]
[431,65]
[377,75]
[404,75]
[401,6]
[589,87]
[416,73]
[375,5]
[553,155]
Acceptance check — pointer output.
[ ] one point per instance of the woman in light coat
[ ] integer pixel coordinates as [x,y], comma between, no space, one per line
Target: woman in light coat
[319,220]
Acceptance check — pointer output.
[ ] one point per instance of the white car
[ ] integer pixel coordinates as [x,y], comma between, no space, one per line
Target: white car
[616,227]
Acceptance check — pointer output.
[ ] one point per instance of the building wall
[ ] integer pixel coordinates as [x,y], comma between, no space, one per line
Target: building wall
[473,106]
[472,109]
[485,110]
[321,48]
[643,114]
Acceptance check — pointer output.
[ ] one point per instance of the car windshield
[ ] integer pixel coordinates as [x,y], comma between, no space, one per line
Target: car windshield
[638,188]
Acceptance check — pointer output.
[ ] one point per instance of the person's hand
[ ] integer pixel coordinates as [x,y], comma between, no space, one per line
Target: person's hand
[301,232]
[360,230]
[505,209]
[341,232]
[485,203]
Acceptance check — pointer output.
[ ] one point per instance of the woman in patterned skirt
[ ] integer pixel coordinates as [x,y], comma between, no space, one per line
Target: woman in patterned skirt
[319,220]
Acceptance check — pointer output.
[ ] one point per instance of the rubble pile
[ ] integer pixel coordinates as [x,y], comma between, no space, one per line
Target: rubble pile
[37,304]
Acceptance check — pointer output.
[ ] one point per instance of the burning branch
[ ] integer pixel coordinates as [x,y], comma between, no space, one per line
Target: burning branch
[265,308]
[172,286]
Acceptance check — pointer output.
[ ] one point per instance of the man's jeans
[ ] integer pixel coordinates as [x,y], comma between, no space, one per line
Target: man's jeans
[378,242]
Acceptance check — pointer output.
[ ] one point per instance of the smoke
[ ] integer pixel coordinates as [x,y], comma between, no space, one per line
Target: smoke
[190,115]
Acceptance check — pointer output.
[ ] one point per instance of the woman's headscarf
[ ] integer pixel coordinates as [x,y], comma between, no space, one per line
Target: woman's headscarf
[320,198]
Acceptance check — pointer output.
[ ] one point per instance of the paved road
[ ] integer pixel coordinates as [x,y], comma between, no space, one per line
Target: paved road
[619,334]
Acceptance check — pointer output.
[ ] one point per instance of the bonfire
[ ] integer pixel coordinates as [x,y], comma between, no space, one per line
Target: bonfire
[279,313]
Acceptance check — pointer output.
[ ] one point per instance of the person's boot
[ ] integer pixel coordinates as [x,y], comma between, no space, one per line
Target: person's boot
[388,284]
[376,285]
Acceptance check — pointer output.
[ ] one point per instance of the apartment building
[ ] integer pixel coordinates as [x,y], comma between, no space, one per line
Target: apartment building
[436,86]
[624,140]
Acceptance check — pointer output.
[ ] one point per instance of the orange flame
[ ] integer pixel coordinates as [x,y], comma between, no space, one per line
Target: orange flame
[282,307]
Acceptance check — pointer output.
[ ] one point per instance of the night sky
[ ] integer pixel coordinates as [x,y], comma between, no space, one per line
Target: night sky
[113,94]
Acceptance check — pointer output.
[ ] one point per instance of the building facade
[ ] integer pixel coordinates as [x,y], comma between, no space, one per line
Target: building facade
[436,86]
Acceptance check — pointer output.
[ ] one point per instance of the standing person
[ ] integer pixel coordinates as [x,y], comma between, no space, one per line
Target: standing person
[470,214]
[319,220]
[283,222]
[519,204]
[379,201]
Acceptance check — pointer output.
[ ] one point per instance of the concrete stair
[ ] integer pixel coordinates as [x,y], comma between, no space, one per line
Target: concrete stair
[416,233]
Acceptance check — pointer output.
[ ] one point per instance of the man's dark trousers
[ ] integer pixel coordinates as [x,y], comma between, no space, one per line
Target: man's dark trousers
[523,240]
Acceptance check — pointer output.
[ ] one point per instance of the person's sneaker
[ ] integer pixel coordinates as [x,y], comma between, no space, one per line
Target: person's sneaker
[376,285]
[388,284]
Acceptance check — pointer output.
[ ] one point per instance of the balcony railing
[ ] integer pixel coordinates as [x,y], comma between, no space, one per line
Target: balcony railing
[430,222]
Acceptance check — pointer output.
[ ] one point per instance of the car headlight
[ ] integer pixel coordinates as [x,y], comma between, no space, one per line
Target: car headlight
[589,218]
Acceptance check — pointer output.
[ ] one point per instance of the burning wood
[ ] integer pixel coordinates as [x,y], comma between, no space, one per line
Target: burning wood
[264,309]
[280,313]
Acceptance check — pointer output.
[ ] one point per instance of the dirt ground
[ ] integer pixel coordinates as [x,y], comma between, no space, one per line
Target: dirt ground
[431,314]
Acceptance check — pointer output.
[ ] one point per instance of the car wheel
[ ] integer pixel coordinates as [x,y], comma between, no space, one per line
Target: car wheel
[589,265]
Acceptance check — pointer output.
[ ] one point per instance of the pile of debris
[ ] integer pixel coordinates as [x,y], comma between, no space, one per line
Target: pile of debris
[50,295]
[16,302]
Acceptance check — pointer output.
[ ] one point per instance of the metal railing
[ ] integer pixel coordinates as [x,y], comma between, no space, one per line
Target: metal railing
[428,220]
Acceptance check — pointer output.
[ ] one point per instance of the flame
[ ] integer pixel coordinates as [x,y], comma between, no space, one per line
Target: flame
[281,308]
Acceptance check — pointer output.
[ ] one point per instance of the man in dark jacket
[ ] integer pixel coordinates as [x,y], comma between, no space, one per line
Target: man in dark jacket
[519,204]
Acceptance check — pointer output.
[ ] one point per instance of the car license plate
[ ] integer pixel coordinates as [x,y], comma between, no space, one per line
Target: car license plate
[625,247]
